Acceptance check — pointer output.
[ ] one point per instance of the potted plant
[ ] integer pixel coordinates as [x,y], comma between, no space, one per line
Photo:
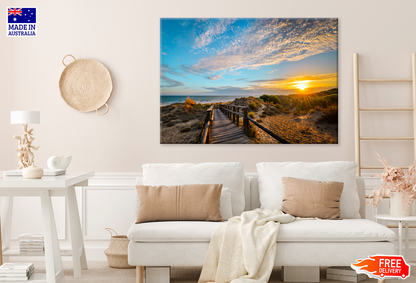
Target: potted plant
[399,185]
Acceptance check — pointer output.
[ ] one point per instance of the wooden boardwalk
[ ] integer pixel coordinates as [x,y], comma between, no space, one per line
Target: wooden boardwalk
[225,131]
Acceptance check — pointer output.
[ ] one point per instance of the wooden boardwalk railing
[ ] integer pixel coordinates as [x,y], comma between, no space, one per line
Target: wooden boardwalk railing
[233,112]
[222,125]
[206,132]
[219,129]
[225,131]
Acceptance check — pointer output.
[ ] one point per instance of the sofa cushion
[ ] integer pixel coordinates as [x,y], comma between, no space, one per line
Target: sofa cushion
[173,231]
[271,186]
[230,174]
[225,202]
[199,202]
[346,230]
[309,198]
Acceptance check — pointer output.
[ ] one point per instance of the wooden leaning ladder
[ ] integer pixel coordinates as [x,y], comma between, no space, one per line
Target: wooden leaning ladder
[357,110]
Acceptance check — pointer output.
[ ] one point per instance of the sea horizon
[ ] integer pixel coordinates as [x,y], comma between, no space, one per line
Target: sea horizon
[171,99]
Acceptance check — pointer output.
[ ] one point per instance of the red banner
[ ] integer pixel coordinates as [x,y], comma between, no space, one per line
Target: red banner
[382,267]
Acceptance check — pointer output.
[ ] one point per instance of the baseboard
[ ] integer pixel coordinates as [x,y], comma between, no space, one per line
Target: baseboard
[96,254]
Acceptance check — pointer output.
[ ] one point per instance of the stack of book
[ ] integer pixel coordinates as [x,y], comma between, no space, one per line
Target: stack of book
[31,244]
[46,173]
[344,273]
[16,271]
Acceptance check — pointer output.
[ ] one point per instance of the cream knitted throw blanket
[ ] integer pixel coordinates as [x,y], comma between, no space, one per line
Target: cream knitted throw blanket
[243,250]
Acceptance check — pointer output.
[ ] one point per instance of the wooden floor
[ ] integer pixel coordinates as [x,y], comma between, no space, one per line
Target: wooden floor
[225,131]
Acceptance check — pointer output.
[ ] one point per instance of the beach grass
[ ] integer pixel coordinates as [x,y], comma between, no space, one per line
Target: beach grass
[298,118]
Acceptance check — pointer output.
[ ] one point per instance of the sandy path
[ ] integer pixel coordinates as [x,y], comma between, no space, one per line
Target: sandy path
[294,130]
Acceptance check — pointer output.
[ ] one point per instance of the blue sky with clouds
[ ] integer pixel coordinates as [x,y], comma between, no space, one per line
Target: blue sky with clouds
[247,56]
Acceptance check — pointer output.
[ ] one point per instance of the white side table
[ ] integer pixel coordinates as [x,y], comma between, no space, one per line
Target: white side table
[45,188]
[400,220]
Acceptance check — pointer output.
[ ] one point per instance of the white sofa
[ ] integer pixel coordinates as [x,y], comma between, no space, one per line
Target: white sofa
[302,246]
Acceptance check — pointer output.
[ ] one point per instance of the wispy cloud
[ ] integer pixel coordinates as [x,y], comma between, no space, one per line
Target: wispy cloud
[214,77]
[267,80]
[189,70]
[242,79]
[164,53]
[228,90]
[167,82]
[212,30]
[167,69]
[321,77]
[268,42]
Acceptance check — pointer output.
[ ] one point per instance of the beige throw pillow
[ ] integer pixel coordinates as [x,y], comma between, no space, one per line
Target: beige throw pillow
[200,202]
[308,198]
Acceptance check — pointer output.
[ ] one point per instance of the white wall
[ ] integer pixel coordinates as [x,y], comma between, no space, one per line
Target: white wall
[124,36]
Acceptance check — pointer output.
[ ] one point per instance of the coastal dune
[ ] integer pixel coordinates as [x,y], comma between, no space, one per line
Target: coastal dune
[306,119]
[299,130]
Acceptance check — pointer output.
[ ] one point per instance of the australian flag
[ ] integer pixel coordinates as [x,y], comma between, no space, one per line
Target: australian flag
[21,15]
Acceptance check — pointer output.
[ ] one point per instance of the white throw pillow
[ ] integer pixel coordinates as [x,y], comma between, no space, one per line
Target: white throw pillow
[271,186]
[230,174]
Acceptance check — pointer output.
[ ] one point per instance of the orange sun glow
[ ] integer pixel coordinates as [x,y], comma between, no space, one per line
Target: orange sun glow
[301,85]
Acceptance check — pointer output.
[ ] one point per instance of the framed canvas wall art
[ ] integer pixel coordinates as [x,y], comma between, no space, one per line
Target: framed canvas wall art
[252,81]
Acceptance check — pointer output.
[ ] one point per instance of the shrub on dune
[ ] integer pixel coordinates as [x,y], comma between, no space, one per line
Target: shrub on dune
[252,131]
[252,105]
[270,98]
[330,116]
[190,101]
[189,104]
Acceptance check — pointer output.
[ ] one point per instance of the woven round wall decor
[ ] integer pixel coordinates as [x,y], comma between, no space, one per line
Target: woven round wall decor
[86,85]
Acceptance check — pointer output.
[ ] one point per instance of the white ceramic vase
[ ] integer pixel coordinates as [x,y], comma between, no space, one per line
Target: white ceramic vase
[396,205]
[32,172]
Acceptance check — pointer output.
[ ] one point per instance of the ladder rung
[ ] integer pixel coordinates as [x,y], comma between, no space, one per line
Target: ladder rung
[386,138]
[386,109]
[381,167]
[385,80]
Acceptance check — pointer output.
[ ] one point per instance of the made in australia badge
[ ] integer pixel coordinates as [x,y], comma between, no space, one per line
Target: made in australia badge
[21,22]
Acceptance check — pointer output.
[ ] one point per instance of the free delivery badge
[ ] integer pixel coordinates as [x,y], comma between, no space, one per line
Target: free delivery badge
[382,267]
[21,22]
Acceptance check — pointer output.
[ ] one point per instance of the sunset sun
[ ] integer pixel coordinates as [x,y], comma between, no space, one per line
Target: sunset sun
[301,86]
